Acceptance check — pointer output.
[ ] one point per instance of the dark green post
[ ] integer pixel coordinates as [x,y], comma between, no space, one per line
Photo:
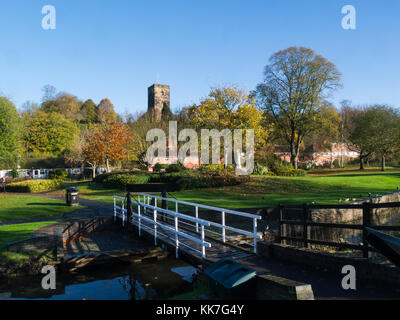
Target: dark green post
[129,207]
[164,204]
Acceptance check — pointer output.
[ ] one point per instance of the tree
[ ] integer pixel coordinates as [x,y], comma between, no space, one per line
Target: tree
[166,113]
[48,133]
[30,107]
[326,128]
[355,132]
[88,110]
[377,131]
[49,93]
[116,138]
[229,107]
[68,105]
[107,144]
[93,152]
[74,156]
[296,84]
[65,104]
[138,126]
[105,112]
[49,106]
[10,146]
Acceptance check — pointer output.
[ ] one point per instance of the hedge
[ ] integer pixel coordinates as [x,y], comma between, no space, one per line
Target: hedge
[289,172]
[192,179]
[215,167]
[34,186]
[121,180]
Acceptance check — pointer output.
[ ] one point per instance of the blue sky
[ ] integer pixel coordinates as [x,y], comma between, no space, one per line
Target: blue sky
[116,49]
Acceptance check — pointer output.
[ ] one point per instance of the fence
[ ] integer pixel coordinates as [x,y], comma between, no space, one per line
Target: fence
[306,223]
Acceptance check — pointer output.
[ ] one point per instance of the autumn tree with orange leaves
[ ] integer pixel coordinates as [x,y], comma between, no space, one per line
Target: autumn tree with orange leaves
[106,145]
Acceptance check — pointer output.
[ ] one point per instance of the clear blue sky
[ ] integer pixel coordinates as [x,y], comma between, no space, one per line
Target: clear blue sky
[115,49]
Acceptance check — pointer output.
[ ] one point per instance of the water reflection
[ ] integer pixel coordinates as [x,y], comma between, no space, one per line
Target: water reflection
[154,280]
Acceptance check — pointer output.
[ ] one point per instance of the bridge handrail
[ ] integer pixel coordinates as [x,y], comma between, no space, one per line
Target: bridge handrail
[176,214]
[244,232]
[207,244]
[254,234]
[137,218]
[239,213]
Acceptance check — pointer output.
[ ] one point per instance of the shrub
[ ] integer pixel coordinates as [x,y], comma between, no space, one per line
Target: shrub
[58,174]
[121,180]
[198,179]
[276,164]
[260,169]
[178,167]
[290,172]
[14,173]
[158,167]
[215,167]
[34,186]
[61,174]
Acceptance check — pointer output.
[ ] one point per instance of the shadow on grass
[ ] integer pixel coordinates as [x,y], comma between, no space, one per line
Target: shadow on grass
[46,204]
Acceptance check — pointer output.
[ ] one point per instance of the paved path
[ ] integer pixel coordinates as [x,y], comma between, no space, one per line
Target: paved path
[105,241]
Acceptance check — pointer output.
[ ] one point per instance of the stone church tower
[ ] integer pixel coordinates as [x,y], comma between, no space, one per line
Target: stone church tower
[158,96]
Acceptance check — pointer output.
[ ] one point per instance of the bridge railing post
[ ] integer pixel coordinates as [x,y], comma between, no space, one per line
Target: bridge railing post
[223,226]
[203,248]
[197,216]
[139,220]
[123,213]
[155,225]
[176,238]
[255,234]
[115,210]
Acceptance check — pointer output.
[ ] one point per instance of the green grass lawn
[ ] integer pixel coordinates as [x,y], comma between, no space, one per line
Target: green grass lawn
[322,188]
[21,206]
[14,232]
[319,186]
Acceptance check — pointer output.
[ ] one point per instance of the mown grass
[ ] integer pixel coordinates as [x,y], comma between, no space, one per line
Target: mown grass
[15,232]
[320,186]
[15,207]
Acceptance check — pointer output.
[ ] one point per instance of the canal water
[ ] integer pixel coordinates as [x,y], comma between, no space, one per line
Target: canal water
[161,279]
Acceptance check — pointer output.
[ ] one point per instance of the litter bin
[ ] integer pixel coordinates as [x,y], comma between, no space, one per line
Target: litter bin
[72,196]
[231,280]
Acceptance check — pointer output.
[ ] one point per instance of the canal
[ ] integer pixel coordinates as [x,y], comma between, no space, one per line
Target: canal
[160,279]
